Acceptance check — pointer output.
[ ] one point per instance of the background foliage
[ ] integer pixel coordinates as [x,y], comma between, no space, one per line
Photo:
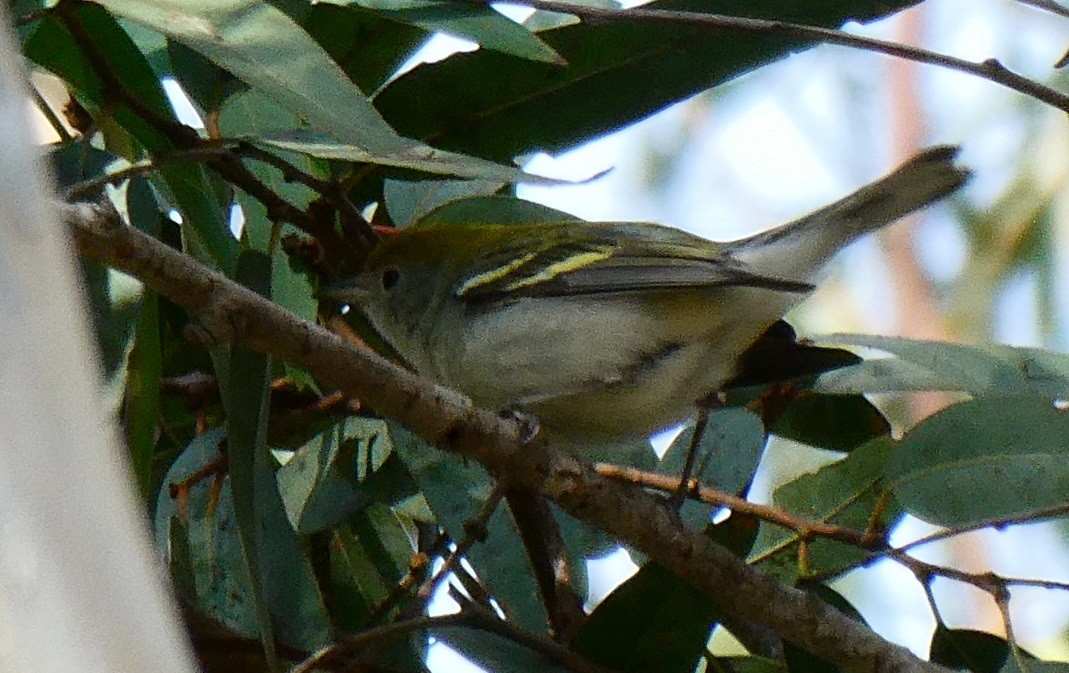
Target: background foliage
[293,516]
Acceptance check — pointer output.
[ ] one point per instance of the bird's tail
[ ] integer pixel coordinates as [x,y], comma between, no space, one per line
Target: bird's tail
[798,250]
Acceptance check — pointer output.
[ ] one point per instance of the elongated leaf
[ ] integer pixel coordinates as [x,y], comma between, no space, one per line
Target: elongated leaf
[455,491]
[478,23]
[937,365]
[497,653]
[834,422]
[653,622]
[208,557]
[847,493]
[265,48]
[495,209]
[726,458]
[314,488]
[984,458]
[287,596]
[976,651]
[409,200]
[368,46]
[187,186]
[409,156]
[498,106]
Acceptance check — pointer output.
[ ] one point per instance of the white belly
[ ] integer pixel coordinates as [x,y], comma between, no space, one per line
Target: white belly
[607,366]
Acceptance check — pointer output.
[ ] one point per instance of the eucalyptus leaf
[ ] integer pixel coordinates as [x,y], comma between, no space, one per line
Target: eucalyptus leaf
[976,651]
[456,491]
[846,492]
[495,210]
[408,155]
[263,47]
[497,106]
[726,457]
[409,200]
[479,23]
[984,458]
[936,365]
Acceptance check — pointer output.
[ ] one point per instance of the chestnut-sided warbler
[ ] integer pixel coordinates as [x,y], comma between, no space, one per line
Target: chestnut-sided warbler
[607,330]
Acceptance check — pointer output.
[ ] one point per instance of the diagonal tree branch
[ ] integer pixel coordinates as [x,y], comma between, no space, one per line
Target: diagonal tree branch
[231,313]
[990,69]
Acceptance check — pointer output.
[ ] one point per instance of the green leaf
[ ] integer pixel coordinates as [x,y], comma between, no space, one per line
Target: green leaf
[142,407]
[497,653]
[409,200]
[984,458]
[846,492]
[478,23]
[208,557]
[498,106]
[287,596]
[369,556]
[652,622]
[936,365]
[314,487]
[409,156]
[204,82]
[833,422]
[266,49]
[456,490]
[204,223]
[726,458]
[495,210]
[976,651]
[368,46]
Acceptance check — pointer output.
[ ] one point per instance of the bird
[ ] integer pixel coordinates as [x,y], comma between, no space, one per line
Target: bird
[609,330]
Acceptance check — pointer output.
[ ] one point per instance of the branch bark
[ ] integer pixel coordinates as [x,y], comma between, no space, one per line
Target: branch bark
[448,420]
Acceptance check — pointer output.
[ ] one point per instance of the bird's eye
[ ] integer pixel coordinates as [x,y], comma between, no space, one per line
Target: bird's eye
[390,276]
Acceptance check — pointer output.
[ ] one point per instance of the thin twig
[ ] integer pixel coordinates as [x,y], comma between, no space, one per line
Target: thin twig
[989,69]
[1048,5]
[87,188]
[474,532]
[351,644]
[711,496]
[53,119]
[1030,516]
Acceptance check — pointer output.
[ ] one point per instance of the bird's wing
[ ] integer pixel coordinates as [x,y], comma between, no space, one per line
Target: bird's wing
[610,258]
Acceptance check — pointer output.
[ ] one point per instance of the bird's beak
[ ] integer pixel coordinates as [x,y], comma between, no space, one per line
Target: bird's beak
[349,291]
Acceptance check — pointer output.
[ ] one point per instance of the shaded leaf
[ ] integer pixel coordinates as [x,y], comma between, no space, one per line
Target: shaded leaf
[204,550]
[498,106]
[368,46]
[495,210]
[264,48]
[187,186]
[410,200]
[496,653]
[287,595]
[478,23]
[409,156]
[313,485]
[834,422]
[456,490]
[936,365]
[846,492]
[652,622]
[984,458]
[727,456]
[976,651]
